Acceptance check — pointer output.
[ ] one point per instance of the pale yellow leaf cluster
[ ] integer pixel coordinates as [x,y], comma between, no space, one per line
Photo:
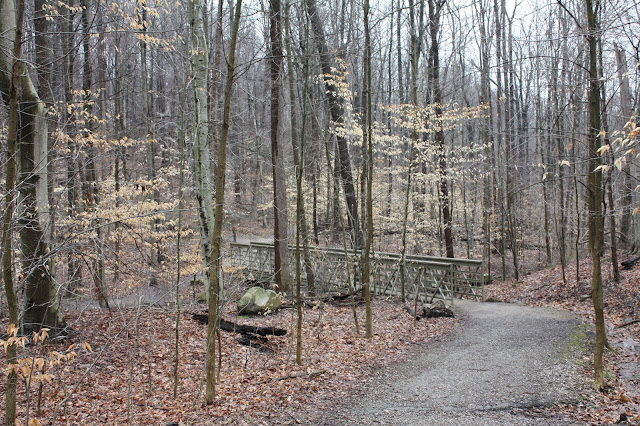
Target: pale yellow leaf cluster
[35,368]
[625,144]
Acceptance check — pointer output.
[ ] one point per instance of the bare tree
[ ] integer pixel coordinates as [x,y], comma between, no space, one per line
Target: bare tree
[336,111]
[216,238]
[281,222]
[594,188]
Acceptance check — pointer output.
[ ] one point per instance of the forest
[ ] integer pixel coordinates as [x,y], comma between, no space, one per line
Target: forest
[139,138]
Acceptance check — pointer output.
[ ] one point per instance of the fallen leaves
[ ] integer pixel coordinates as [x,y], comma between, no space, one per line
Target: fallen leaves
[129,374]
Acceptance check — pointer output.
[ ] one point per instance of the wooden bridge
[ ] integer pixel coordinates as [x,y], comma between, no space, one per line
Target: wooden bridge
[425,277]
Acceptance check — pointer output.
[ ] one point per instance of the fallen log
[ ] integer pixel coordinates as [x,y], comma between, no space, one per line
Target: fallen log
[251,342]
[630,263]
[412,313]
[437,312]
[434,312]
[251,329]
[232,327]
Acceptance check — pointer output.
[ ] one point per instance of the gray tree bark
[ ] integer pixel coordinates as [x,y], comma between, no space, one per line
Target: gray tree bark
[41,299]
[201,142]
[629,239]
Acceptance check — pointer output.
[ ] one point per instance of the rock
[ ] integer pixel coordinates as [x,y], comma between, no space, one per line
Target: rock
[202,297]
[257,300]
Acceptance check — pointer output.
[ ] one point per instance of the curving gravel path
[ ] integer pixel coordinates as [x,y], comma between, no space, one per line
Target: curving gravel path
[502,360]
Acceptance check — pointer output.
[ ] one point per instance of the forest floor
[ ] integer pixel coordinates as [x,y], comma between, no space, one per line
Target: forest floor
[128,376]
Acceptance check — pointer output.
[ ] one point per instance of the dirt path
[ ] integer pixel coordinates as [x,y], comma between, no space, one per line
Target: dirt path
[502,360]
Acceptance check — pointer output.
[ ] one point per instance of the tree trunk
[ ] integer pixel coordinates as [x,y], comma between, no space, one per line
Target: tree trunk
[90,193]
[74,272]
[625,106]
[41,299]
[298,147]
[280,217]
[147,114]
[201,141]
[336,112]
[594,190]
[368,145]
[485,136]
[609,176]
[510,202]
[9,203]
[215,288]
[435,6]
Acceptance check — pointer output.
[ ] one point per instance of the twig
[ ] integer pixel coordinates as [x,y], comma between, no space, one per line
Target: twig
[635,321]
[293,376]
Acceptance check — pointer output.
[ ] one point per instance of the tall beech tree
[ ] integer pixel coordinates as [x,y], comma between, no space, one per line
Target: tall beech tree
[199,56]
[9,205]
[42,308]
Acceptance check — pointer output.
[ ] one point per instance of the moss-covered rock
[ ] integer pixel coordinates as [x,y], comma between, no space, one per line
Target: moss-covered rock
[257,300]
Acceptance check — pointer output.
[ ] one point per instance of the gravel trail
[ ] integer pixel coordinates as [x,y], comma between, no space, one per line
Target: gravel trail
[502,360]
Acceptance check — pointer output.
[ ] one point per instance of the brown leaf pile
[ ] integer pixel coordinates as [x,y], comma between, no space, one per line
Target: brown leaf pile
[129,374]
[622,305]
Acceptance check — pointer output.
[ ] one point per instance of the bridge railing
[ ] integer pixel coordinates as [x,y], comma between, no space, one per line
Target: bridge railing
[425,277]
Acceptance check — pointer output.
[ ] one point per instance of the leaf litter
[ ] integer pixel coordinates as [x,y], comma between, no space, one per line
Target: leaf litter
[129,374]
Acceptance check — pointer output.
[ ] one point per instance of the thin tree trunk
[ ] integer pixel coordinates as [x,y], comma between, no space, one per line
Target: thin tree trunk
[625,106]
[91,191]
[73,268]
[181,146]
[9,206]
[201,141]
[368,144]
[401,95]
[298,159]
[609,178]
[556,134]
[508,142]
[595,190]
[118,175]
[147,87]
[540,147]
[216,239]
[298,147]
[280,217]
[485,137]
